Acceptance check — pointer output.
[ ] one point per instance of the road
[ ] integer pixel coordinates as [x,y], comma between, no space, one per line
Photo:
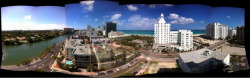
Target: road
[216,44]
[42,64]
[134,68]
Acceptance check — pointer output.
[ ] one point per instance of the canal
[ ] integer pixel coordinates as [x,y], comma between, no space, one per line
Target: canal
[14,54]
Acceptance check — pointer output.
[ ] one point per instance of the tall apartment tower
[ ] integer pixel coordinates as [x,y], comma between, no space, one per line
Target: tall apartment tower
[231,32]
[88,27]
[240,32]
[216,30]
[161,31]
[110,26]
[185,38]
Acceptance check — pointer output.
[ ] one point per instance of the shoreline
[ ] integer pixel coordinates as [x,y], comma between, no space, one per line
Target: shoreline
[153,35]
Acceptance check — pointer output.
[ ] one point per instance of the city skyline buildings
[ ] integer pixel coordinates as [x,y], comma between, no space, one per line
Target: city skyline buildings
[163,36]
[127,17]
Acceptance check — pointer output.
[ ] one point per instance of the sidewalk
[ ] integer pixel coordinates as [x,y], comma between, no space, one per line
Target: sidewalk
[143,70]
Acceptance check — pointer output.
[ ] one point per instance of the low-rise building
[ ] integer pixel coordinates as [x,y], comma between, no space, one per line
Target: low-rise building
[76,52]
[68,30]
[118,35]
[203,60]
[94,37]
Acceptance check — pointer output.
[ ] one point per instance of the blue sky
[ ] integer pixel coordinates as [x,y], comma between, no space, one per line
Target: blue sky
[32,18]
[127,17]
[142,17]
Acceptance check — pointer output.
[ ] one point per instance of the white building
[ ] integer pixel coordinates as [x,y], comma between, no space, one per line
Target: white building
[76,52]
[161,31]
[118,35]
[216,30]
[202,60]
[164,37]
[231,32]
[185,39]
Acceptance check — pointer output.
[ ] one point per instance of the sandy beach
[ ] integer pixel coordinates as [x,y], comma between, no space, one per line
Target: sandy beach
[197,35]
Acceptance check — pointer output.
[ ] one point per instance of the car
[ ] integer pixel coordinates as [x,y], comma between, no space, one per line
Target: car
[129,64]
[117,69]
[52,56]
[110,71]
[100,73]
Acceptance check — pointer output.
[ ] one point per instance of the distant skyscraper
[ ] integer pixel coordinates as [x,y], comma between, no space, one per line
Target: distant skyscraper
[88,27]
[103,27]
[231,32]
[240,32]
[98,28]
[92,29]
[109,27]
[216,30]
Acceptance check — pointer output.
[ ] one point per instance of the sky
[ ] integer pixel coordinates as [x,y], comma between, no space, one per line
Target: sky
[143,17]
[32,18]
[127,17]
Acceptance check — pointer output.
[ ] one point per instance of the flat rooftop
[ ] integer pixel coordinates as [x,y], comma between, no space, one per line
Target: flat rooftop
[201,55]
[79,49]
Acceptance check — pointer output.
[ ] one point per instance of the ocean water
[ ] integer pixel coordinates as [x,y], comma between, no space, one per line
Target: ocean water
[151,32]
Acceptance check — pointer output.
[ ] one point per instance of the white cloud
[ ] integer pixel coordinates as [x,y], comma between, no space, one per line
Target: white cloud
[152,6]
[202,21]
[145,22]
[74,23]
[87,5]
[179,19]
[30,26]
[106,16]
[132,8]
[116,16]
[160,5]
[27,17]
[116,19]
[228,17]
[86,16]
[96,19]
[168,5]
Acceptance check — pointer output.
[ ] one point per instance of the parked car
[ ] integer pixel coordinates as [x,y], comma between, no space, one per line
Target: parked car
[110,71]
[100,73]
[129,64]
[117,69]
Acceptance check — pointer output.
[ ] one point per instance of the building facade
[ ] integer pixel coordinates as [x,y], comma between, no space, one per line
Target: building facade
[163,36]
[68,30]
[216,31]
[161,31]
[77,52]
[185,39]
[118,35]
[240,33]
[231,32]
[109,27]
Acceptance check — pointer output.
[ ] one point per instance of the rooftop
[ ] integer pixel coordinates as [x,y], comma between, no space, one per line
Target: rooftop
[201,55]
[77,46]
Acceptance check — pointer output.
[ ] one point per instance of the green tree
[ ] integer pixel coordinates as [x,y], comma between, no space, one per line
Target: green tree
[228,37]
[66,67]
[90,67]
[102,69]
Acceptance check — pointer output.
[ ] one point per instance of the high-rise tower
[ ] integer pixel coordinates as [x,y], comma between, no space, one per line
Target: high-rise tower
[161,31]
